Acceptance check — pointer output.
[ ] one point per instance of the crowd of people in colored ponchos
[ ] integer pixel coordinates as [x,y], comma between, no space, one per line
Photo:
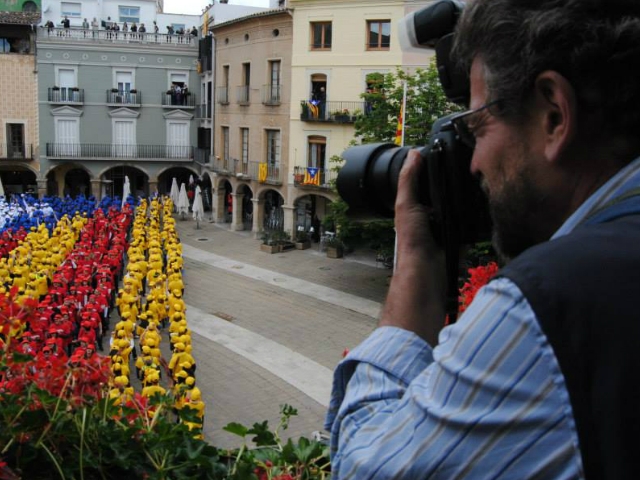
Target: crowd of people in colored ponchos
[70,272]
[149,300]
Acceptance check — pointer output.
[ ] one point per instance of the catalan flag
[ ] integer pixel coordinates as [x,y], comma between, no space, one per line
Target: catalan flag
[312,176]
[398,140]
[262,172]
[313,109]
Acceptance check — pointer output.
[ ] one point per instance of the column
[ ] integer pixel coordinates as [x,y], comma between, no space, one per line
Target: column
[153,187]
[289,216]
[218,206]
[42,188]
[96,189]
[258,217]
[236,214]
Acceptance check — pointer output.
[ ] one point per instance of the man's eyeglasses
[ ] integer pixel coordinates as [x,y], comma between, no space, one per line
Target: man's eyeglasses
[466,122]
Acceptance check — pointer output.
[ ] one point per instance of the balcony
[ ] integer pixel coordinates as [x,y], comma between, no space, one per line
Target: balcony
[16,152]
[171,99]
[222,95]
[331,112]
[117,98]
[269,174]
[64,95]
[202,156]
[98,151]
[305,177]
[271,94]
[203,111]
[243,95]
[77,35]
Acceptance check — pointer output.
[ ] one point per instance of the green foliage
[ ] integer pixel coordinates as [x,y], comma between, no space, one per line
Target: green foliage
[426,102]
[271,458]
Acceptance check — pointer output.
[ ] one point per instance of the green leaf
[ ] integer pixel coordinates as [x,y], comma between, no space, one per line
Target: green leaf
[236,429]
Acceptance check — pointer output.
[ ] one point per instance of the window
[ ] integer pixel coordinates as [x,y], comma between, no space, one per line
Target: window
[225,75]
[124,81]
[274,85]
[225,143]
[129,14]
[244,89]
[178,27]
[15,140]
[321,35]
[124,138]
[273,148]
[244,135]
[67,134]
[178,145]
[317,150]
[70,9]
[378,34]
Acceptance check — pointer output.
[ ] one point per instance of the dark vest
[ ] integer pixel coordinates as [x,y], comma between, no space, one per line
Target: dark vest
[583,288]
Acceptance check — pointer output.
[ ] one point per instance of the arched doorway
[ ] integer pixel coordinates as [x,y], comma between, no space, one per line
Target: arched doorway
[17,180]
[308,214]
[181,174]
[273,211]
[247,206]
[113,181]
[207,192]
[77,182]
[226,190]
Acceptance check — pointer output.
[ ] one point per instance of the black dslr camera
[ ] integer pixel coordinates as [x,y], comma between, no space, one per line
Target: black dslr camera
[369,178]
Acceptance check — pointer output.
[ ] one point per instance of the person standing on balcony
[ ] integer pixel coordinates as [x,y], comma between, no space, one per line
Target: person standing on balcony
[66,24]
[94,27]
[134,30]
[125,29]
[85,27]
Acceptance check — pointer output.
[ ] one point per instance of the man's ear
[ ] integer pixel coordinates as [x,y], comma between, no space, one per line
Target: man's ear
[556,105]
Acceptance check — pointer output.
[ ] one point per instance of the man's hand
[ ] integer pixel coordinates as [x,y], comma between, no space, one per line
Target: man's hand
[416,298]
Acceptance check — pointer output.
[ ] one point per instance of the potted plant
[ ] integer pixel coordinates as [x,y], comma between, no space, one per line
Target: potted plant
[303,241]
[133,90]
[304,115]
[114,90]
[298,177]
[335,247]
[55,88]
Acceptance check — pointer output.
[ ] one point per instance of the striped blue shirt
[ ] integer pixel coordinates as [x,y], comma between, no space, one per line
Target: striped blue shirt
[489,401]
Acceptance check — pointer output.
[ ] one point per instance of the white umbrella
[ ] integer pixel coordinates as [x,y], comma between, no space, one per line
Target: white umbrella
[183,200]
[175,193]
[126,190]
[191,180]
[198,208]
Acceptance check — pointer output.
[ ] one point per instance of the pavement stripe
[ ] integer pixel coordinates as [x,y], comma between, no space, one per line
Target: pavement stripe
[311,378]
[320,292]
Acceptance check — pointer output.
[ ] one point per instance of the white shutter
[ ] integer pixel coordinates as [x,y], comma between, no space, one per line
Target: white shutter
[124,139]
[67,136]
[178,140]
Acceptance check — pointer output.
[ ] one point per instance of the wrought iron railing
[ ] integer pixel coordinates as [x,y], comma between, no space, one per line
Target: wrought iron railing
[101,35]
[16,152]
[203,111]
[65,95]
[271,94]
[309,177]
[222,95]
[202,156]
[112,151]
[336,112]
[243,94]
[251,170]
[178,100]
[123,97]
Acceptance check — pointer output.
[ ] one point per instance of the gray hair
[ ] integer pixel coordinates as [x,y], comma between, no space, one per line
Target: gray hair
[594,44]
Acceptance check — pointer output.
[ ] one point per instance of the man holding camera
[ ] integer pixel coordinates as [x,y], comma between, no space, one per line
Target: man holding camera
[533,380]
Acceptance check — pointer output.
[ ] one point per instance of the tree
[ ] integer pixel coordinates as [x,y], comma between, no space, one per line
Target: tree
[426,102]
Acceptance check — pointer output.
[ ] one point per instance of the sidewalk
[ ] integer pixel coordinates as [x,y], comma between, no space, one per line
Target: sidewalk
[288,317]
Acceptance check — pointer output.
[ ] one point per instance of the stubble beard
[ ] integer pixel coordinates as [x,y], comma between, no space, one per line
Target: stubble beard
[516,211]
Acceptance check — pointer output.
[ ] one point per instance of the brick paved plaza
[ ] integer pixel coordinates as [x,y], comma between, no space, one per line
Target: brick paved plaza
[269,329]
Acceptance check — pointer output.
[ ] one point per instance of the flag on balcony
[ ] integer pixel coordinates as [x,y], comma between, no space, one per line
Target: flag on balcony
[262,172]
[313,109]
[312,176]
[399,128]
